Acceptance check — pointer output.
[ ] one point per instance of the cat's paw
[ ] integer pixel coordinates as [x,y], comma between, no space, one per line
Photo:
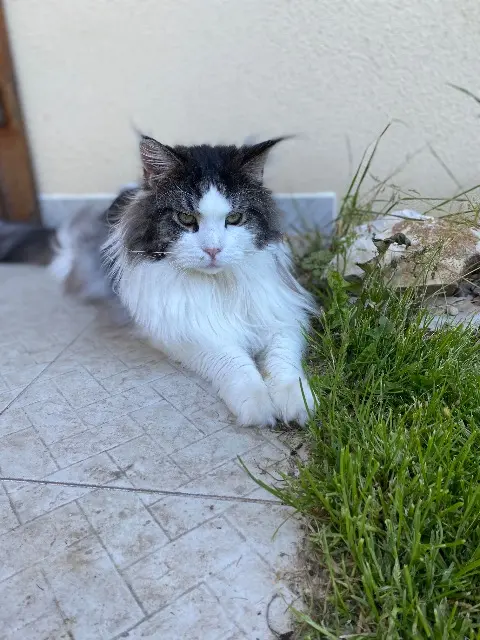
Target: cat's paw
[289,402]
[252,406]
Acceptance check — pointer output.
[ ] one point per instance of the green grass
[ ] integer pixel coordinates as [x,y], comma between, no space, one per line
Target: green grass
[391,489]
[392,486]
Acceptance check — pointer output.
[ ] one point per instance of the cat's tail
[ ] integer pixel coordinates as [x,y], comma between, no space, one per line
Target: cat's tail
[77,261]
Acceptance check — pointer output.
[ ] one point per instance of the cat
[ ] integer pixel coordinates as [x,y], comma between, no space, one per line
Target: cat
[196,256]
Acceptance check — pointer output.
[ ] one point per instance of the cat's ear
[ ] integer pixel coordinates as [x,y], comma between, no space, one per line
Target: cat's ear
[253,157]
[157,158]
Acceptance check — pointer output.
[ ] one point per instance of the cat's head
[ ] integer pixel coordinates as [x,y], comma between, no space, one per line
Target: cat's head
[202,208]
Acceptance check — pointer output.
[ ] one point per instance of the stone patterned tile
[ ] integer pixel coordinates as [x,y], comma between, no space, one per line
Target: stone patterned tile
[212,418]
[228,479]
[147,466]
[163,576]
[246,589]
[49,356]
[167,427]
[182,393]
[270,530]
[48,627]
[95,440]
[39,338]
[203,456]
[80,388]
[132,352]
[40,539]
[115,406]
[3,384]
[137,376]
[23,375]
[201,382]
[65,331]
[7,337]
[13,420]
[8,519]
[54,419]
[178,514]
[23,454]
[232,480]
[7,398]
[25,598]
[97,360]
[195,616]
[123,524]
[90,591]
[31,501]
[38,391]
[65,363]
[14,357]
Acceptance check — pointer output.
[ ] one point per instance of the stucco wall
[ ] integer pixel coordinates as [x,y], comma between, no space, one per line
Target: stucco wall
[220,70]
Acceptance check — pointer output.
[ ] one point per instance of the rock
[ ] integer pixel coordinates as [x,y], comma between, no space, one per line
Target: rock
[452,310]
[417,250]
[465,311]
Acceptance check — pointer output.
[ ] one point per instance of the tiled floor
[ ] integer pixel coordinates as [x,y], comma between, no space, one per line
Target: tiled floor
[102,550]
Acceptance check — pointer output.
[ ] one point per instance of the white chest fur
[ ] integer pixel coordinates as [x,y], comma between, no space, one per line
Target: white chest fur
[242,306]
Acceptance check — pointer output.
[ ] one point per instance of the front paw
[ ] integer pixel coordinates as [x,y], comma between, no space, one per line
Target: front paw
[289,400]
[252,405]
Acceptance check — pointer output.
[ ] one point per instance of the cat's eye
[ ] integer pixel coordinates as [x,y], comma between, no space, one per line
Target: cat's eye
[187,219]
[234,218]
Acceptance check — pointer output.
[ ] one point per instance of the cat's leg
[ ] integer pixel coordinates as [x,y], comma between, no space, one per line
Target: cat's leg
[281,364]
[234,376]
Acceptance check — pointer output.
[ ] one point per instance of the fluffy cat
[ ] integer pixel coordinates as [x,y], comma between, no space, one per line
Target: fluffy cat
[196,257]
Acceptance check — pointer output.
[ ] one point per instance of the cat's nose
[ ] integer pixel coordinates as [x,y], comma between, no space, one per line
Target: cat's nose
[212,252]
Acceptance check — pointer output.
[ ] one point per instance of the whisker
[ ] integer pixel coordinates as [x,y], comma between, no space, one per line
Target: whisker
[155,253]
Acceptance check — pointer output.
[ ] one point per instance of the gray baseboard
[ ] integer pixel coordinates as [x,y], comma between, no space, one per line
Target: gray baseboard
[302,211]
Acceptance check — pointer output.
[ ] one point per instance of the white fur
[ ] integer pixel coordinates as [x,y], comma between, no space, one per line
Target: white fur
[64,256]
[229,322]
[214,204]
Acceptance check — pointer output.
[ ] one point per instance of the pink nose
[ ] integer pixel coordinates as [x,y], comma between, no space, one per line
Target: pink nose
[212,252]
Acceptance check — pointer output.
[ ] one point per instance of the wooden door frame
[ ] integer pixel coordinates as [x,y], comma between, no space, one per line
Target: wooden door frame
[18,197]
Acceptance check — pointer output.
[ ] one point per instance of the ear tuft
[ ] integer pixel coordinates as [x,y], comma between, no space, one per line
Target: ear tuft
[157,158]
[253,157]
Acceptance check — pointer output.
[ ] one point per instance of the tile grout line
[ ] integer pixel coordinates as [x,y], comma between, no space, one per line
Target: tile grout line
[62,351]
[143,490]
[211,591]
[145,506]
[43,558]
[81,433]
[107,452]
[251,545]
[57,603]
[127,369]
[117,569]
[46,447]
[154,613]
[12,506]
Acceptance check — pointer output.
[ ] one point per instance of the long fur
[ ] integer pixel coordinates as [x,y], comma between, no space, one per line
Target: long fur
[216,295]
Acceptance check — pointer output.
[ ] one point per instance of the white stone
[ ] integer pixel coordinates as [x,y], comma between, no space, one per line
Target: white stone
[439,254]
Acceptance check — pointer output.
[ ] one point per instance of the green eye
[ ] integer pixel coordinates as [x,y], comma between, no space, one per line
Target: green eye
[187,219]
[234,218]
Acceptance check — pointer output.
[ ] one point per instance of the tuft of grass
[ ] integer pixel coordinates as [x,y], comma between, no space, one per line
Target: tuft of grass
[392,486]
[391,489]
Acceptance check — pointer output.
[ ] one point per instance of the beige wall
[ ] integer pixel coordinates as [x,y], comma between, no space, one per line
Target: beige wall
[219,70]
